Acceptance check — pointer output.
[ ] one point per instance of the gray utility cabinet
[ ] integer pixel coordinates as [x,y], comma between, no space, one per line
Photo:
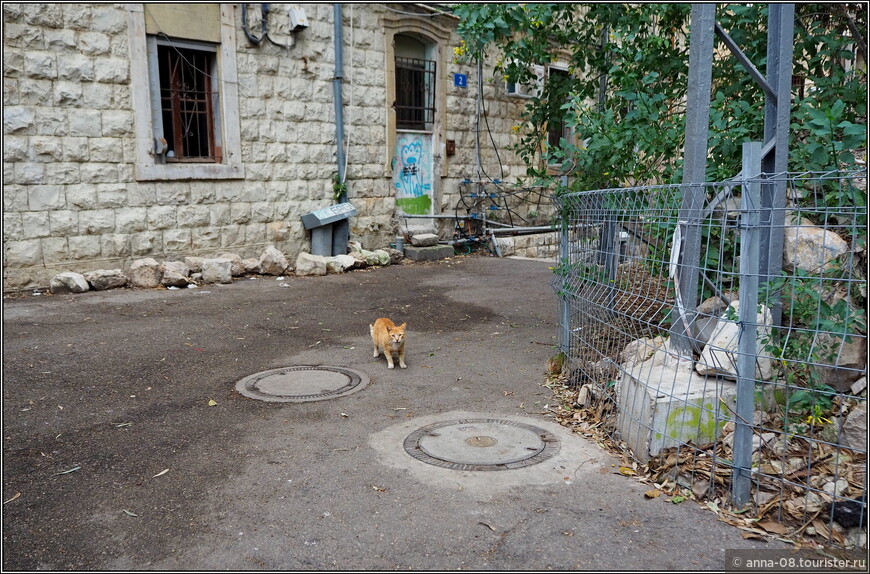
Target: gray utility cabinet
[330,229]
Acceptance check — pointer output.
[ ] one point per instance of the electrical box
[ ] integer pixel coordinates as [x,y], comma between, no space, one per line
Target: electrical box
[330,229]
[298,20]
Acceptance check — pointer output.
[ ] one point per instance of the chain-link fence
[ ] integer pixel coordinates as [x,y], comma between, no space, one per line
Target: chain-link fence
[760,405]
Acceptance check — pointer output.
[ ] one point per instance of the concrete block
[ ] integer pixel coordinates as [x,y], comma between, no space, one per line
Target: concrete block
[664,403]
[428,253]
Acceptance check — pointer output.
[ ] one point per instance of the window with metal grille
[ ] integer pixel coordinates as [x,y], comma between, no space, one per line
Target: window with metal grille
[557,129]
[188,102]
[415,93]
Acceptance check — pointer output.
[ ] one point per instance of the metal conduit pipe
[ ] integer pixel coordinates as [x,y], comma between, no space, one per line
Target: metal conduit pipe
[336,90]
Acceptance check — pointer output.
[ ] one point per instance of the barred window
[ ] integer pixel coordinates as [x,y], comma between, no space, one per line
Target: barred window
[188,103]
[415,93]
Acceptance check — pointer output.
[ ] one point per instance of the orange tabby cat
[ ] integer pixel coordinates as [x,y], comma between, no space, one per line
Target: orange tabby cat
[391,338]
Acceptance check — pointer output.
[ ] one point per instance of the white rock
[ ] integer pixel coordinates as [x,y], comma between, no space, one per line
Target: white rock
[344,261]
[854,433]
[811,248]
[217,271]
[238,267]
[859,386]
[836,488]
[145,273]
[308,264]
[175,274]
[102,279]
[719,356]
[273,262]
[251,265]
[424,240]
[194,263]
[69,282]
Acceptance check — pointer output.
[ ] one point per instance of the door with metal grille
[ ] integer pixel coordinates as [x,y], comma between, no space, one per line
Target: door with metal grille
[415,117]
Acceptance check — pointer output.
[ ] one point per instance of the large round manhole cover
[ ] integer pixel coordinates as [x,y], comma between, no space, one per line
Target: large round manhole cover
[481,444]
[302,384]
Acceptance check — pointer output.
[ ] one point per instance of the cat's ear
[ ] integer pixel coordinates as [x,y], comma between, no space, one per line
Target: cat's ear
[402,326]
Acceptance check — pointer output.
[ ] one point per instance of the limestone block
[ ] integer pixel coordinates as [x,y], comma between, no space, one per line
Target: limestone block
[359,260]
[114,245]
[719,356]
[340,263]
[176,240]
[103,279]
[424,240]
[396,256]
[811,248]
[97,221]
[847,360]
[251,265]
[273,262]
[217,271]
[237,267]
[22,253]
[307,264]
[855,428]
[145,273]
[35,224]
[175,274]
[69,282]
[194,263]
[130,220]
[84,247]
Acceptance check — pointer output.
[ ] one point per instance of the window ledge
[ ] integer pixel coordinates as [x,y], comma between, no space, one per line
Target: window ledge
[162,172]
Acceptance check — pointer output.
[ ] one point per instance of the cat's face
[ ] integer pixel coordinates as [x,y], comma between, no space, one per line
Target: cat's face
[397,334]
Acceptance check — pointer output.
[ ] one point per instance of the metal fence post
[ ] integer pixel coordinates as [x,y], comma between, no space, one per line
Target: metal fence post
[750,245]
[564,304]
[694,171]
[777,119]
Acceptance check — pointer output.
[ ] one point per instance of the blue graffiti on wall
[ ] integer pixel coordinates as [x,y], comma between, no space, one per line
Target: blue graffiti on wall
[413,174]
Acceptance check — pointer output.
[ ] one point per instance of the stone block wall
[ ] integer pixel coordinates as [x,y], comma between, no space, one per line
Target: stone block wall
[71,197]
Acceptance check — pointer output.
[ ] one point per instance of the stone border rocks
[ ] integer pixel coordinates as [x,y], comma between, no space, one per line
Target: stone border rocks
[148,273]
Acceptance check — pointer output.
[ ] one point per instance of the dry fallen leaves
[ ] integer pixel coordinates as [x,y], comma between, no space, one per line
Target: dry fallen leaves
[790,501]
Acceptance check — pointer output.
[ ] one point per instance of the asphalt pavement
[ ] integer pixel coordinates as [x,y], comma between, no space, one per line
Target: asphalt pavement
[128,446]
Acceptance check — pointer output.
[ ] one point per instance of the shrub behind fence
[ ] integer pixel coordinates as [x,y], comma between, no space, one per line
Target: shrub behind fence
[769,409]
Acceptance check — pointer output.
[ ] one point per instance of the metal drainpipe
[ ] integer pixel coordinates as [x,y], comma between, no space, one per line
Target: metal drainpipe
[336,90]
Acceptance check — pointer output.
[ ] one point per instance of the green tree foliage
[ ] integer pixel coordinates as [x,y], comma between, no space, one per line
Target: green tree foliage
[625,96]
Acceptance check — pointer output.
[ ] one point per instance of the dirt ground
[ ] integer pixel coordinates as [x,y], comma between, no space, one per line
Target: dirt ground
[126,445]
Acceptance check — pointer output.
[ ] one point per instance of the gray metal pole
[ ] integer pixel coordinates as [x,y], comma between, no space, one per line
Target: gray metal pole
[336,92]
[747,354]
[564,304]
[694,170]
[777,116]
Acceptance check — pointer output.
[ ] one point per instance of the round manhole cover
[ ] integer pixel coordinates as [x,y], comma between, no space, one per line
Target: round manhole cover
[481,444]
[302,384]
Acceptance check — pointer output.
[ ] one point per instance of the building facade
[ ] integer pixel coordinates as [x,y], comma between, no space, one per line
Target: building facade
[172,130]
